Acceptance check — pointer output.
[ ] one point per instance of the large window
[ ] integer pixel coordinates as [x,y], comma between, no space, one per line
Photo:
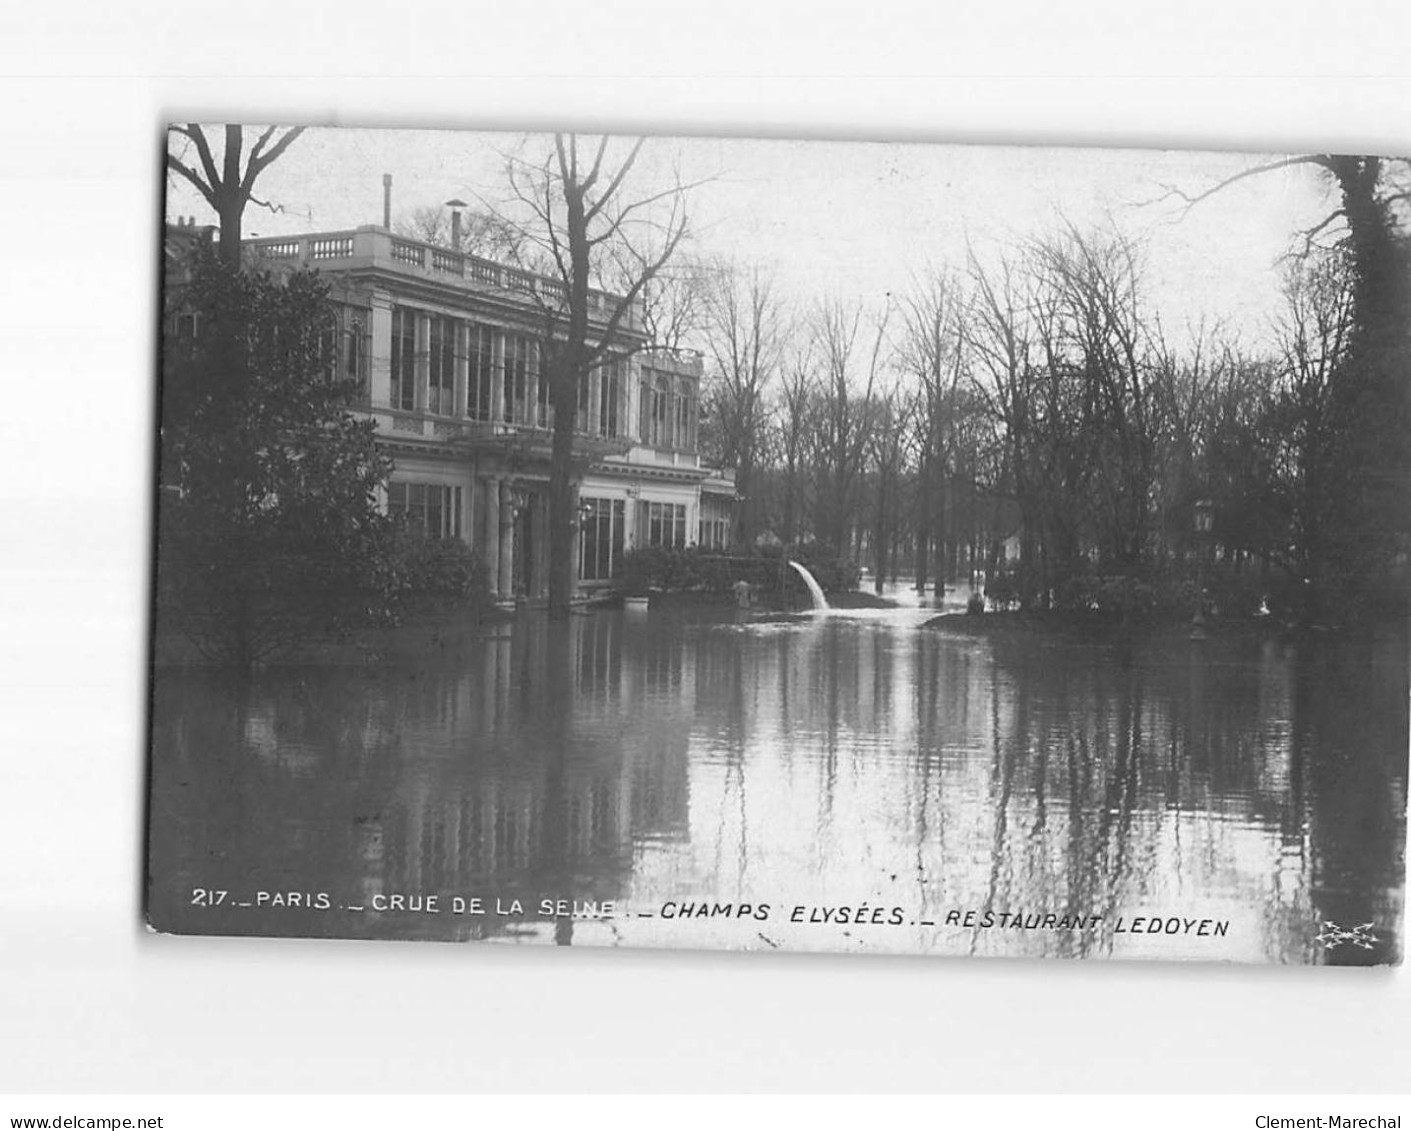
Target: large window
[609,394]
[480,386]
[341,348]
[601,538]
[684,437]
[668,412]
[355,351]
[327,348]
[403,358]
[186,326]
[714,524]
[442,377]
[543,404]
[663,523]
[433,509]
[520,392]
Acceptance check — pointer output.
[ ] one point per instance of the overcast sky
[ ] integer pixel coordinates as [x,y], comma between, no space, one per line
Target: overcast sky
[856,220]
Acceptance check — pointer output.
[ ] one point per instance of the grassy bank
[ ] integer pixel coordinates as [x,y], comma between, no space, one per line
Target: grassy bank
[434,628]
[853,599]
[1103,626]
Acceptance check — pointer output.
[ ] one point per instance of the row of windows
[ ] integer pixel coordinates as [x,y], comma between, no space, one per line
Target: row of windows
[664,524]
[340,350]
[598,402]
[433,509]
[436,510]
[714,533]
[500,364]
[601,537]
[715,523]
[668,412]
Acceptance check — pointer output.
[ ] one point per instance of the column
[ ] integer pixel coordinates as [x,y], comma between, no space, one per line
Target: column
[506,589]
[497,376]
[491,550]
[575,510]
[423,360]
[541,546]
[472,532]
[462,367]
[379,352]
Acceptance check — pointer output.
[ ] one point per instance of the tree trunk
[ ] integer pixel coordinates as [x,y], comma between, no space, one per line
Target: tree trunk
[231,199]
[568,374]
[879,534]
[562,496]
[923,525]
[744,486]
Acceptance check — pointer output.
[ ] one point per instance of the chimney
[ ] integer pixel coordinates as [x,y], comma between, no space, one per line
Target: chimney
[455,206]
[387,201]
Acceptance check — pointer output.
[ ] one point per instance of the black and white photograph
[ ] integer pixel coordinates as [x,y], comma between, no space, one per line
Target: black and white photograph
[786,544]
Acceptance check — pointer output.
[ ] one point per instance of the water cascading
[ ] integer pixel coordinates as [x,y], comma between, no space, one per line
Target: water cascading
[815,590]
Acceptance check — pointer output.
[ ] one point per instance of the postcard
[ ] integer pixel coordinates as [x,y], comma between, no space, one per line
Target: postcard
[720,543]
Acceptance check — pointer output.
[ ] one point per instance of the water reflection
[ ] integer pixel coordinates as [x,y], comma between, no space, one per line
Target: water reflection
[681,757]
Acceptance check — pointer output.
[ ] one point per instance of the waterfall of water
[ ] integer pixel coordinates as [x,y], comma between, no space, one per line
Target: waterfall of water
[814,589]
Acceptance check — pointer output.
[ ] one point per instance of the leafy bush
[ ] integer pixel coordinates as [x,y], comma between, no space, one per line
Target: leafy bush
[423,570]
[1002,589]
[270,535]
[1234,594]
[710,571]
[833,574]
[1125,596]
[1077,594]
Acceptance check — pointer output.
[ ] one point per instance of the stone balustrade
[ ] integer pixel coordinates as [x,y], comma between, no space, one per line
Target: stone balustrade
[371,246]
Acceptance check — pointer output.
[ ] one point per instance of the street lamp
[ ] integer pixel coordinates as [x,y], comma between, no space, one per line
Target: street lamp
[1204,519]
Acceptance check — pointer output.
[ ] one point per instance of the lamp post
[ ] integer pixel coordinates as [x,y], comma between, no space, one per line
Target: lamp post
[1204,519]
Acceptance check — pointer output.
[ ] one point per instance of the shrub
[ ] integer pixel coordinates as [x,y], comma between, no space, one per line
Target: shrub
[1234,594]
[1002,589]
[1124,595]
[424,570]
[710,571]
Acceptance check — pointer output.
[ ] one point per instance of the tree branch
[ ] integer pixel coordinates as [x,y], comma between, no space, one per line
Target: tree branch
[177,166]
[259,162]
[1319,159]
[613,185]
[203,149]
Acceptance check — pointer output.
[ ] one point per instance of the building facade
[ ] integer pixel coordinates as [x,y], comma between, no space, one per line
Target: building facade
[447,349]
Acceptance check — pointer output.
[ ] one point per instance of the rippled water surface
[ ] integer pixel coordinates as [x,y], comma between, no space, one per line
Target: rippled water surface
[1017,793]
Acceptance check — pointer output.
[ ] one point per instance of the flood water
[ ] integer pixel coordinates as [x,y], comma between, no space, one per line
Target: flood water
[843,782]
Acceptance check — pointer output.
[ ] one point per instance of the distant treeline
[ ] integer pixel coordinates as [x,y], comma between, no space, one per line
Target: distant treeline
[1034,409]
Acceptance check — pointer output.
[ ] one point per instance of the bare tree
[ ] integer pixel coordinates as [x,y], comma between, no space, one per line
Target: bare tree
[673,301]
[480,232]
[230,185]
[1097,378]
[1315,334]
[745,334]
[1002,344]
[1370,411]
[930,351]
[798,394]
[842,422]
[1190,389]
[893,410]
[583,220]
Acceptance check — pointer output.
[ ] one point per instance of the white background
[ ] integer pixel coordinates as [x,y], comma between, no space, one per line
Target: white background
[87,1001]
